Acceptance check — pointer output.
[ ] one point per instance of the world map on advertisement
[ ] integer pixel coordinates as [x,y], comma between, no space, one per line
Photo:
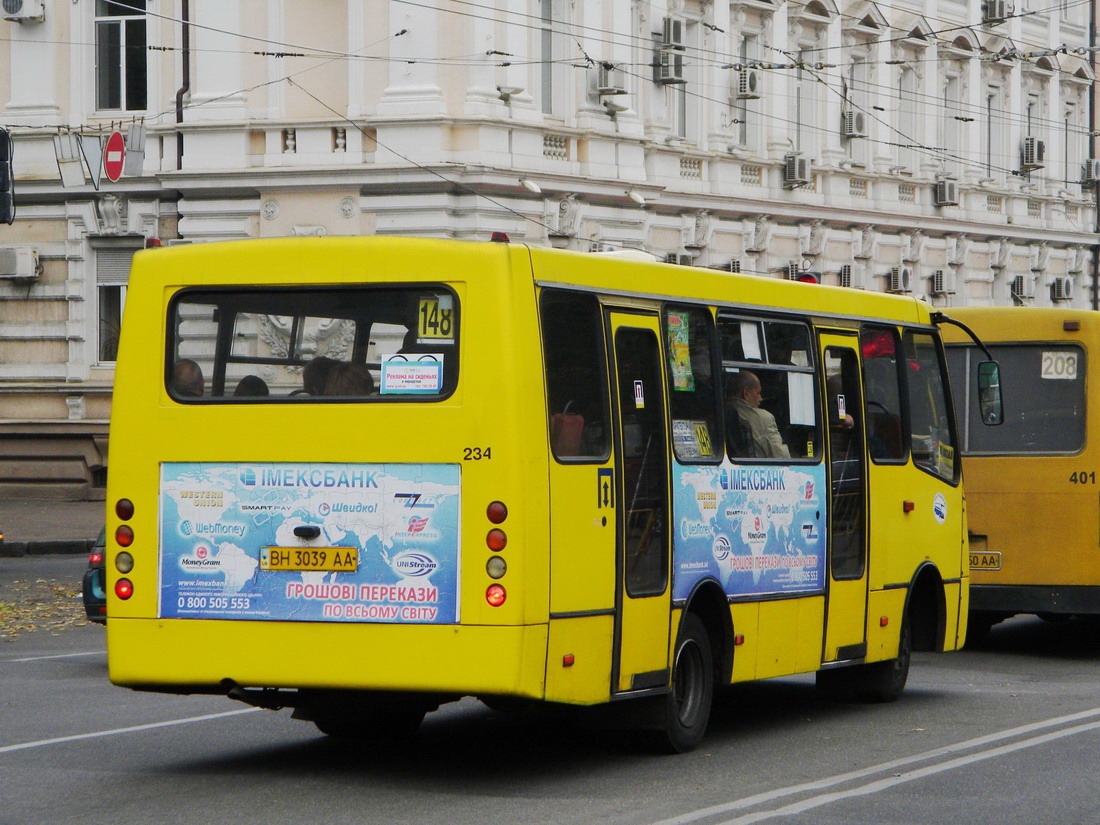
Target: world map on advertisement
[386,537]
[757,530]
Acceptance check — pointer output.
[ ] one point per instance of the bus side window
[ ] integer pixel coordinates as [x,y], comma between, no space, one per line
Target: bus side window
[932,431]
[576,387]
[882,394]
[693,405]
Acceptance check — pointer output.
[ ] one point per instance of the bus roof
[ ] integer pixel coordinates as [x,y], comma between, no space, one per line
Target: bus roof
[1000,324]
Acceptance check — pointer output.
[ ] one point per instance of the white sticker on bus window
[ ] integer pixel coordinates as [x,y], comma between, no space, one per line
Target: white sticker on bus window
[1059,365]
[639,395]
[750,341]
[419,374]
[800,394]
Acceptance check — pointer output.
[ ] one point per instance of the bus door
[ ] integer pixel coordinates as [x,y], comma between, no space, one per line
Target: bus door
[643,597]
[846,611]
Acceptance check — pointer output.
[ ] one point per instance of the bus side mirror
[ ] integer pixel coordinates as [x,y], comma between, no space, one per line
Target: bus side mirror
[989,393]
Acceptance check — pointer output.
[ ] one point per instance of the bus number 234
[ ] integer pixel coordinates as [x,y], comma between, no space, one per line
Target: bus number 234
[476,453]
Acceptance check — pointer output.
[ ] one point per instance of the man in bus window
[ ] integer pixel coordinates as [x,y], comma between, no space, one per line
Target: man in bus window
[745,397]
[187,379]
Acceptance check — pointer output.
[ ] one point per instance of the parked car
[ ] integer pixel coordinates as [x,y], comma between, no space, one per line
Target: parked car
[93,587]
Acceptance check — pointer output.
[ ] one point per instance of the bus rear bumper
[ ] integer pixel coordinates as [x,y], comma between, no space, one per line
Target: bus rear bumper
[204,656]
[1057,599]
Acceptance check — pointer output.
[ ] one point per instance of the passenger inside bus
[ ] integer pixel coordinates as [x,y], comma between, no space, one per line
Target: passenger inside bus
[348,379]
[187,379]
[315,374]
[744,396]
[251,386]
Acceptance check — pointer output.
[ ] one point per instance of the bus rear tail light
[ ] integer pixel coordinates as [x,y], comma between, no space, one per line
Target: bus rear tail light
[124,509]
[497,540]
[496,567]
[124,563]
[497,512]
[124,589]
[496,595]
[124,535]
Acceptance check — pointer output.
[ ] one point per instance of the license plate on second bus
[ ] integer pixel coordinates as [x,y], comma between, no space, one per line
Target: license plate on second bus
[985,561]
[327,559]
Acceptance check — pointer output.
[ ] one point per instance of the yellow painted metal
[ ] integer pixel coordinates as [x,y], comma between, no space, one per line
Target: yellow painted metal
[561,580]
[1027,508]
[643,643]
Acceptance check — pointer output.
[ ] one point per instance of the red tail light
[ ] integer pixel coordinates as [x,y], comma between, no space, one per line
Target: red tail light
[124,535]
[495,595]
[124,589]
[497,540]
[497,512]
[124,509]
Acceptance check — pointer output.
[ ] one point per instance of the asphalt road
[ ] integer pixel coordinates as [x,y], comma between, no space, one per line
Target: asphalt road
[1004,734]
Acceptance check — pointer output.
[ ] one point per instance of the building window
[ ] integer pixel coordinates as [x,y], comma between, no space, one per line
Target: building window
[112,275]
[553,47]
[121,57]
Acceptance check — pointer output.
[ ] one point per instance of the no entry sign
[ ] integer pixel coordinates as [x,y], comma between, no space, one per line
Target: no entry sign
[114,156]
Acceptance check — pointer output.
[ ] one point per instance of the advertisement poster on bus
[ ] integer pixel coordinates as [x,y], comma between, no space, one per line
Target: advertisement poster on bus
[757,529]
[310,542]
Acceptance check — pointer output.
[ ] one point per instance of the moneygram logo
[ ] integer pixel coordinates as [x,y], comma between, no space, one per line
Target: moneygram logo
[415,564]
[200,561]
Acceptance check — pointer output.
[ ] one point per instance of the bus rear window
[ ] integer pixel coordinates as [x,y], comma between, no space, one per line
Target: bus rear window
[303,345]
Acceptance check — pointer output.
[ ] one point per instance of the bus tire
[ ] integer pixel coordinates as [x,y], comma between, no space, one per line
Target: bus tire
[686,708]
[885,681]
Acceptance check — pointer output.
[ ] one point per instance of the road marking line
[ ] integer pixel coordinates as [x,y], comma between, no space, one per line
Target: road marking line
[921,773]
[55,656]
[135,728]
[828,782]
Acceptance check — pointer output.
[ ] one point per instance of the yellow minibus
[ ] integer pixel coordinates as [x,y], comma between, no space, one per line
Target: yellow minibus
[1031,484]
[361,477]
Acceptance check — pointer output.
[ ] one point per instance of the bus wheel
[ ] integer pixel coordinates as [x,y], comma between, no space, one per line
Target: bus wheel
[885,681]
[687,706]
[386,720]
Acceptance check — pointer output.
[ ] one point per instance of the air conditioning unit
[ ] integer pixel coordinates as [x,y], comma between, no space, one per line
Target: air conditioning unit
[1090,175]
[945,193]
[733,265]
[18,262]
[793,271]
[994,11]
[1061,289]
[796,170]
[672,33]
[941,283]
[1022,286]
[24,11]
[853,124]
[1033,153]
[669,67]
[901,279]
[610,79]
[844,276]
[748,85]
[677,258]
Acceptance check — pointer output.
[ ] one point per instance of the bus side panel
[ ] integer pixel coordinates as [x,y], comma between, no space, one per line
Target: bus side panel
[578,662]
[882,640]
[790,633]
[746,623]
[582,538]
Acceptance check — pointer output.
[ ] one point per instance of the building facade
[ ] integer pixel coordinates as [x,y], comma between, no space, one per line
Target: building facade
[942,148]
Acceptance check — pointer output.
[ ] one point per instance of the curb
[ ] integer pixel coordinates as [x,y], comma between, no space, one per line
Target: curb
[16,549]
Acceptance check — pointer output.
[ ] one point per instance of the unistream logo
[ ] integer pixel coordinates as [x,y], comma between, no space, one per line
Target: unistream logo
[414,564]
